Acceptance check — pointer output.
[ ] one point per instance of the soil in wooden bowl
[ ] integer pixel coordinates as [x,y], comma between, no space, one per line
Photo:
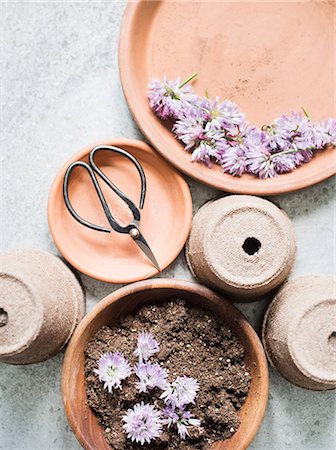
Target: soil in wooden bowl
[193,343]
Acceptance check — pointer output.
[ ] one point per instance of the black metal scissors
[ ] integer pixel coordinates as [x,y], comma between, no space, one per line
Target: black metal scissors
[133,228]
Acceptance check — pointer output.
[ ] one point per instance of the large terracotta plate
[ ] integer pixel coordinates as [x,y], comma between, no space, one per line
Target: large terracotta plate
[269,57]
[114,257]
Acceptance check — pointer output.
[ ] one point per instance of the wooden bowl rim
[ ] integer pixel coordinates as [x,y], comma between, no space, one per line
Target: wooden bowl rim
[155,284]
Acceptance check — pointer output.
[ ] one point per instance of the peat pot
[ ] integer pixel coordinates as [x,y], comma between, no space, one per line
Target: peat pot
[40,306]
[242,245]
[299,332]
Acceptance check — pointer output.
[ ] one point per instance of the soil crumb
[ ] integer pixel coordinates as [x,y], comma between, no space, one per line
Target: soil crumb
[193,343]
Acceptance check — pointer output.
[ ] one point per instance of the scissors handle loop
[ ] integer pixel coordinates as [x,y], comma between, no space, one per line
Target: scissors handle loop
[93,169]
[120,151]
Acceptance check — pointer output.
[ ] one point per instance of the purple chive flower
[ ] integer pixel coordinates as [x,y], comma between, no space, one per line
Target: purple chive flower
[259,162]
[143,423]
[303,156]
[146,347]
[284,162]
[170,415]
[324,133]
[230,114]
[181,418]
[215,131]
[168,98]
[150,376]
[233,159]
[276,140]
[202,153]
[113,368]
[187,420]
[226,113]
[181,392]
[292,131]
[258,155]
[190,128]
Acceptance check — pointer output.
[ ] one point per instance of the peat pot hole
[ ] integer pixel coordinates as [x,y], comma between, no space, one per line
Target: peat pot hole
[332,339]
[3,317]
[251,245]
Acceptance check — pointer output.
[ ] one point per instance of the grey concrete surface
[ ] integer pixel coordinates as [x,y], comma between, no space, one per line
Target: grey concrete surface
[61,91]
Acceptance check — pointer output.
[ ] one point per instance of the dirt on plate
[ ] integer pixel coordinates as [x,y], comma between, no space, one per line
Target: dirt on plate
[193,343]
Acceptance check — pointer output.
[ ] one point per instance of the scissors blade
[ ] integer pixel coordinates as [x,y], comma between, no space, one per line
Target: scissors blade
[142,244]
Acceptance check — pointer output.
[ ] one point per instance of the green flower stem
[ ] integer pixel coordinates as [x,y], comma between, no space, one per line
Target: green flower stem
[285,152]
[194,75]
[306,113]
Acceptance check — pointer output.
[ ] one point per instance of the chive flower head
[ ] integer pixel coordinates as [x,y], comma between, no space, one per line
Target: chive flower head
[113,368]
[150,376]
[147,346]
[167,98]
[181,418]
[217,132]
[325,133]
[142,423]
[181,392]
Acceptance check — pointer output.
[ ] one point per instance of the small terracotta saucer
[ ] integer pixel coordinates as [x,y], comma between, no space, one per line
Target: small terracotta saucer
[115,258]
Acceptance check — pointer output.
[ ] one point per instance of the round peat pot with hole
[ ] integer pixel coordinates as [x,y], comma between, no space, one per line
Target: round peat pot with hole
[128,300]
[243,245]
[40,306]
[299,332]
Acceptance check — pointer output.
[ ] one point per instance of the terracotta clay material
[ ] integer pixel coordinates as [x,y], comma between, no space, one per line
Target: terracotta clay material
[41,304]
[243,51]
[127,300]
[242,245]
[114,257]
[299,332]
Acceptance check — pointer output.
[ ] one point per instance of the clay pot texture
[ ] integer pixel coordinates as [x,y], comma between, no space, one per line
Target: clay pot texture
[41,304]
[242,245]
[127,300]
[238,60]
[114,257]
[299,332]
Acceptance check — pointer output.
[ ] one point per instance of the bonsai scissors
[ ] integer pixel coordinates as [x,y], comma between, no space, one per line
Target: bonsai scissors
[133,228]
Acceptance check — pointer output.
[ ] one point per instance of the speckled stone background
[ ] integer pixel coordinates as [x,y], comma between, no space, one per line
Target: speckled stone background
[61,91]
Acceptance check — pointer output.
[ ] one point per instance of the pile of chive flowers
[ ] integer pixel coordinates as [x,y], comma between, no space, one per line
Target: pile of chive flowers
[217,132]
[145,421]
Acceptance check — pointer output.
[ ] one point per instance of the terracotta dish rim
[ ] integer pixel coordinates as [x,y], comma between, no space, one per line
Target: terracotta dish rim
[302,177]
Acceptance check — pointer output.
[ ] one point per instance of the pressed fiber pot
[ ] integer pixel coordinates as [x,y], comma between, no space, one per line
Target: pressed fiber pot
[40,306]
[299,332]
[242,245]
[127,300]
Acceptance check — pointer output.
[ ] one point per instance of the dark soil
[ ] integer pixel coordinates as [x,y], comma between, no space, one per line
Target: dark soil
[192,343]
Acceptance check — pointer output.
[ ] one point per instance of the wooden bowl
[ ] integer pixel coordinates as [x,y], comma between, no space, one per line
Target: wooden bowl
[127,300]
